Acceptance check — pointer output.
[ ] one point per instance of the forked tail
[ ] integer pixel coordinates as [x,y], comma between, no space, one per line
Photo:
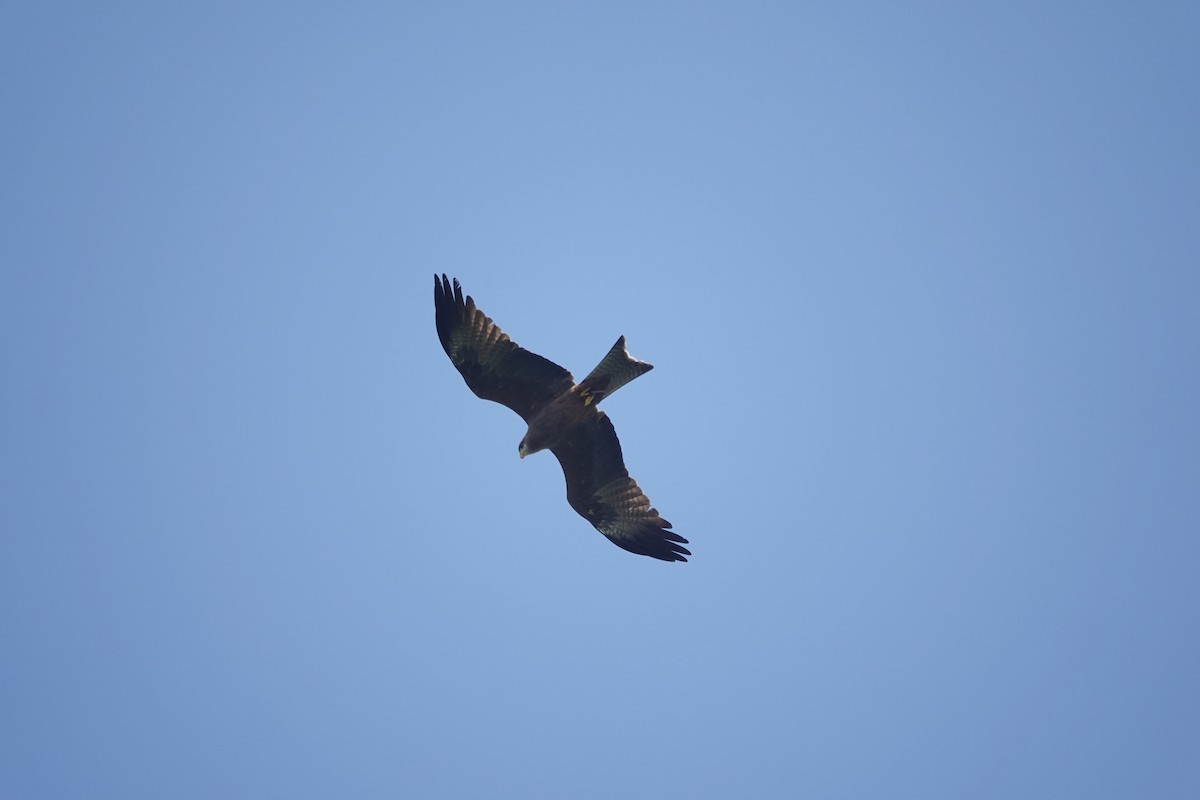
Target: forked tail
[614,371]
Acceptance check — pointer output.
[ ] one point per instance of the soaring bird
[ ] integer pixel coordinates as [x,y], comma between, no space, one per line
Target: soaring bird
[562,417]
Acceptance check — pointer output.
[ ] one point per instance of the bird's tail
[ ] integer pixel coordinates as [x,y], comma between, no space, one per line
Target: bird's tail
[614,371]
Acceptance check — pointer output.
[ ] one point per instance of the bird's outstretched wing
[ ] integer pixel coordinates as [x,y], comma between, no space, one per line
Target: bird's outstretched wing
[600,489]
[494,367]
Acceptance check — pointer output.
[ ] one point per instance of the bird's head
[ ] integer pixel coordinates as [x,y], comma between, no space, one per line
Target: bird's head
[532,443]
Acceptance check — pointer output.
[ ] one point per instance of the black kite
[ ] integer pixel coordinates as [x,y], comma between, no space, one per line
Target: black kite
[562,418]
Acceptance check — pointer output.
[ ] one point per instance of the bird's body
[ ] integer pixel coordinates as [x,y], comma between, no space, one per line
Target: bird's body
[555,420]
[563,417]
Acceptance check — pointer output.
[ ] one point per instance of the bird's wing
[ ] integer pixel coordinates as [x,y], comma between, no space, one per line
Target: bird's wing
[494,367]
[600,489]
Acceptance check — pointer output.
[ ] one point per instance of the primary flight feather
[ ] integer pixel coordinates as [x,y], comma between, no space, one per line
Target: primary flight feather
[562,417]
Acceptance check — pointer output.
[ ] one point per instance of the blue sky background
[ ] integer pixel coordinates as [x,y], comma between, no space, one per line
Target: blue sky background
[921,283]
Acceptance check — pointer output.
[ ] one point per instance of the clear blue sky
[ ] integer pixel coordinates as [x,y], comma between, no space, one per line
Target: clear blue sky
[921,283]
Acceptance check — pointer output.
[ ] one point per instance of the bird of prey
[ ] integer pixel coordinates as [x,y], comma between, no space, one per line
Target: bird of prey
[562,417]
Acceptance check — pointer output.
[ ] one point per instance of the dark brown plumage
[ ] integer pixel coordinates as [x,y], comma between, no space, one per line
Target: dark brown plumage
[562,417]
